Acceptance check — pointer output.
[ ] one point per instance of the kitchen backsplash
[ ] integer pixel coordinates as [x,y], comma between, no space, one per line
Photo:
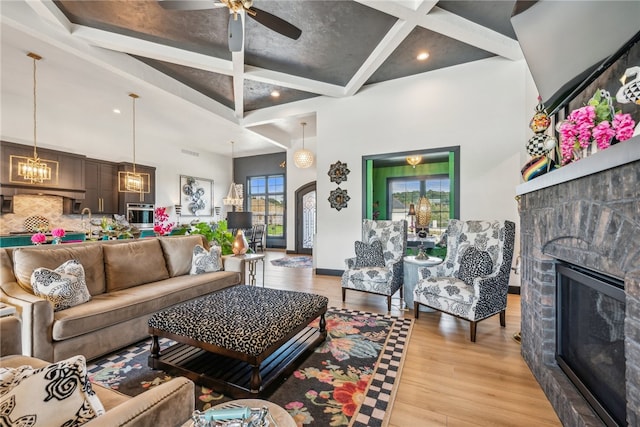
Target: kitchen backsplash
[49,207]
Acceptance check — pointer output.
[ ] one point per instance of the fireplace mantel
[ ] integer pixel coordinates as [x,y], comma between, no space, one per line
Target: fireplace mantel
[616,155]
[585,213]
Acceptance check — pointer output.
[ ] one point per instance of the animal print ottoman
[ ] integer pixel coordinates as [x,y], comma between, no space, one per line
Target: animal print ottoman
[240,339]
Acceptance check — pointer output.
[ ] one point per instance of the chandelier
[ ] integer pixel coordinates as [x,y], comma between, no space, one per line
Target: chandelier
[132,181]
[33,170]
[234,198]
[303,158]
[414,160]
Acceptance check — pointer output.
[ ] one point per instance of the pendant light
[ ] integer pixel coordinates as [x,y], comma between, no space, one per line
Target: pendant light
[33,170]
[132,181]
[233,197]
[303,158]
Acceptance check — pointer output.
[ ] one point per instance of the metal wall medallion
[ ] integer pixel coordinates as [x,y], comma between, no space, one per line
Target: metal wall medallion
[338,172]
[338,198]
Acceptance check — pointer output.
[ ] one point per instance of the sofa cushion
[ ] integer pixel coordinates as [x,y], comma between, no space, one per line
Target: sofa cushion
[56,394]
[473,264]
[27,259]
[64,287]
[206,261]
[126,304]
[369,255]
[133,263]
[178,251]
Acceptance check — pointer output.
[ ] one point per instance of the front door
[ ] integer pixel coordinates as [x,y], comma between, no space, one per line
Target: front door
[305,218]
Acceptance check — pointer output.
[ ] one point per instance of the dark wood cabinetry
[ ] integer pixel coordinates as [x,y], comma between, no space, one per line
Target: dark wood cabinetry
[82,182]
[101,190]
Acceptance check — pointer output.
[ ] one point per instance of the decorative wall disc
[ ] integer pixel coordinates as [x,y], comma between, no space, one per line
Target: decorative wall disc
[338,198]
[338,172]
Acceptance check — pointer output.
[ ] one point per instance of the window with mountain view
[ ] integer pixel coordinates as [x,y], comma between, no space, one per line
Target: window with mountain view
[408,190]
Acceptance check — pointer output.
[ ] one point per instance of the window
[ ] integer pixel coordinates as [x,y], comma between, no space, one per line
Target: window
[408,190]
[267,202]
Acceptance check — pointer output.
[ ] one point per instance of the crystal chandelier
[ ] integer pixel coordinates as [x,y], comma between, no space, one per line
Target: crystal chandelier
[132,181]
[233,196]
[303,158]
[33,169]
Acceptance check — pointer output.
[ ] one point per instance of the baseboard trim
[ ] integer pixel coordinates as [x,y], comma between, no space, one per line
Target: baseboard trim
[514,290]
[328,272]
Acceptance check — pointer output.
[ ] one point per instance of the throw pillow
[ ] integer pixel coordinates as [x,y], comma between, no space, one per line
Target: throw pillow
[369,255]
[54,395]
[473,264]
[64,287]
[204,261]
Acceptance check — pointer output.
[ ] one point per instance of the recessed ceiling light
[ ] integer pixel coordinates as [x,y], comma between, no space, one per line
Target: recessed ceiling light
[116,111]
[422,56]
[275,94]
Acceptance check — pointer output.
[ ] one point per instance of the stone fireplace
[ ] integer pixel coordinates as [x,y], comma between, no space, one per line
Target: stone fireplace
[586,214]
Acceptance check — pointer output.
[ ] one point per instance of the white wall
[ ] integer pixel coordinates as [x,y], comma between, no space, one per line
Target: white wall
[479,106]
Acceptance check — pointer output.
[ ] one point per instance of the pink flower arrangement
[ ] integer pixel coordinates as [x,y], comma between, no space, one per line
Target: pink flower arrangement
[595,122]
[161,225]
[38,238]
[58,232]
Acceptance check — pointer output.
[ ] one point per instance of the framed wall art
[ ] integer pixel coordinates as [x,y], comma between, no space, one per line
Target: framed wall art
[338,198]
[196,196]
[338,172]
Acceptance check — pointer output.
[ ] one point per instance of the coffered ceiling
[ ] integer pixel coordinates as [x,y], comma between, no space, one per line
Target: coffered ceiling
[345,45]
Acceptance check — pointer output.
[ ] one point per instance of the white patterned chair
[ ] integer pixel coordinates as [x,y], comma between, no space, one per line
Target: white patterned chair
[473,280]
[385,279]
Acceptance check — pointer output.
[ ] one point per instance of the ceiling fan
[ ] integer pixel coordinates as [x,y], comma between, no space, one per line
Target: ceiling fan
[236,31]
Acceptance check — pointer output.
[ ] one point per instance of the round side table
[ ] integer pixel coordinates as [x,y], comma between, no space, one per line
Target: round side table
[279,414]
[411,266]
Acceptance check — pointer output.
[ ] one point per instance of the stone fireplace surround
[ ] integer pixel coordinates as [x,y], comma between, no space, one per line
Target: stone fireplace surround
[586,213]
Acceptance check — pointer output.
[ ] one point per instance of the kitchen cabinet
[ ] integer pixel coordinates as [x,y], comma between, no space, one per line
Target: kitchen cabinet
[67,181]
[100,183]
[148,196]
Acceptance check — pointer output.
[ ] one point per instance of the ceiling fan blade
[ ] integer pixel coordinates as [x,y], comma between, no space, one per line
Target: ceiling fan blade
[278,25]
[189,4]
[235,34]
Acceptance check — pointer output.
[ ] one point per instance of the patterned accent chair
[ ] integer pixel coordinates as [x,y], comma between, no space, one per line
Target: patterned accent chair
[472,281]
[379,280]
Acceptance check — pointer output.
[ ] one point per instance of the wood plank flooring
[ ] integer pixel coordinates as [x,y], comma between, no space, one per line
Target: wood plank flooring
[446,380]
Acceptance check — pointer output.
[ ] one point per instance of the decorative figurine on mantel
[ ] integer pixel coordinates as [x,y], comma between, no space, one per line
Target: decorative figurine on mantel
[540,146]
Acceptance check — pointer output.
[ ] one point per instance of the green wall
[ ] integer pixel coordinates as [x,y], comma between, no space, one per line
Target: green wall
[380,176]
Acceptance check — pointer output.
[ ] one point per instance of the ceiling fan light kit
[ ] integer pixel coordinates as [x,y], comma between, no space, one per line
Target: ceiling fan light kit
[236,23]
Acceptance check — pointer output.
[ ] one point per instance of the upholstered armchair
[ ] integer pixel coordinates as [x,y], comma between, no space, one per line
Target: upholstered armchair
[377,267]
[472,281]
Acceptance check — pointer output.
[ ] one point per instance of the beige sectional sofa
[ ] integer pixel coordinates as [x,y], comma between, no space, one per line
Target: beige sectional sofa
[128,280]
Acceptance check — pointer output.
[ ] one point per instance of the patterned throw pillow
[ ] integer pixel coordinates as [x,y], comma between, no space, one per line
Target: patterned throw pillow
[369,255]
[64,287]
[54,395]
[206,262]
[474,263]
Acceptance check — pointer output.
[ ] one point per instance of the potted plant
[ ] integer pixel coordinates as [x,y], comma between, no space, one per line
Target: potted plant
[215,232]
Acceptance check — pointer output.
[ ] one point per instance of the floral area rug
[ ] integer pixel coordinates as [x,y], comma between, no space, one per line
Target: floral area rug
[301,261]
[350,379]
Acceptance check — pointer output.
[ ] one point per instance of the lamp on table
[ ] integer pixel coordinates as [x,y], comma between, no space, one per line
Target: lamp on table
[239,221]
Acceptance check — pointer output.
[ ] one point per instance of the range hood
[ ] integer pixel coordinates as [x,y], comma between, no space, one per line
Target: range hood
[12,189]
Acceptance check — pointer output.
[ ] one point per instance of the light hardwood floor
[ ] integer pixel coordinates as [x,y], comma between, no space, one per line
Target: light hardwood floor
[446,379]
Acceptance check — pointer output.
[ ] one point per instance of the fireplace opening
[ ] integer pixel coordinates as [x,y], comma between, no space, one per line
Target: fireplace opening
[590,338]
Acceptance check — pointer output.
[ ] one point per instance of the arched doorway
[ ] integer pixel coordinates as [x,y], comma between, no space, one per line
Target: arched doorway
[305,218]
